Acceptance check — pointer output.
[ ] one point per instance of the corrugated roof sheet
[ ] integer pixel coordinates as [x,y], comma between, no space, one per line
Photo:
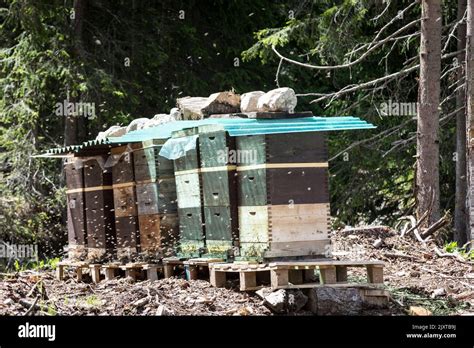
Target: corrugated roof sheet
[246,126]
[235,127]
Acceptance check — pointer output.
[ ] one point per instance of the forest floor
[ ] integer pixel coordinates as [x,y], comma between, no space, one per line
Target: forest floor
[415,275]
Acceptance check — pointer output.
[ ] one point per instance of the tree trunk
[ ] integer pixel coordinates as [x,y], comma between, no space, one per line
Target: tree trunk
[427,171]
[470,117]
[73,127]
[460,215]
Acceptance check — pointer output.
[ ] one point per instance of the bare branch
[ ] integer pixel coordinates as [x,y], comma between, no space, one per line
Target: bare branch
[383,12]
[278,73]
[353,88]
[451,33]
[351,63]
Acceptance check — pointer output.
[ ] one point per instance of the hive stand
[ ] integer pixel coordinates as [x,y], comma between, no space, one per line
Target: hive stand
[296,274]
[192,267]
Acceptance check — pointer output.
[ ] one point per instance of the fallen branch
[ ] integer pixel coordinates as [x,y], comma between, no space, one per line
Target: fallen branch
[455,256]
[435,227]
[403,256]
[30,305]
[415,224]
[464,295]
[367,228]
[33,288]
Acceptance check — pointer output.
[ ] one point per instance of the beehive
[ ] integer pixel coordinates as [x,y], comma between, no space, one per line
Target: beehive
[283,195]
[156,200]
[190,205]
[219,187]
[99,203]
[126,220]
[76,220]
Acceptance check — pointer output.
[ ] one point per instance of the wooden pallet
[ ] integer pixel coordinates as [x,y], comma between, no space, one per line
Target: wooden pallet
[247,274]
[193,266]
[110,270]
[170,264]
[295,274]
[78,267]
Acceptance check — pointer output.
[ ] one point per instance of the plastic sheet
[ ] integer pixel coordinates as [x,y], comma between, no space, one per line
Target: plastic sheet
[177,147]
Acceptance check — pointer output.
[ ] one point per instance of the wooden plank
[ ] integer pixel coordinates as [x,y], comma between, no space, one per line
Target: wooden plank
[59,272]
[152,272]
[281,114]
[300,212]
[130,271]
[279,277]
[109,273]
[298,248]
[327,274]
[248,280]
[78,271]
[324,262]
[375,274]
[317,285]
[217,278]
[168,270]
[297,232]
[95,273]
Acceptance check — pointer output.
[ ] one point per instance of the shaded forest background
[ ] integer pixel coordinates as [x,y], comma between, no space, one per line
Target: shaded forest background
[134,58]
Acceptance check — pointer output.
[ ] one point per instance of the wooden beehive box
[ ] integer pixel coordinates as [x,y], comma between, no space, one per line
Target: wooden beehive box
[283,195]
[156,200]
[125,203]
[99,206]
[190,205]
[76,219]
[219,187]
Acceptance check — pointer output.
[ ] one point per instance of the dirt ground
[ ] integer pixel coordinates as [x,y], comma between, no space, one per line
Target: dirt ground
[414,274]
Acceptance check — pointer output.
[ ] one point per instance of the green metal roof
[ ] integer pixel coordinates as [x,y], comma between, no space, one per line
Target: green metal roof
[235,127]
